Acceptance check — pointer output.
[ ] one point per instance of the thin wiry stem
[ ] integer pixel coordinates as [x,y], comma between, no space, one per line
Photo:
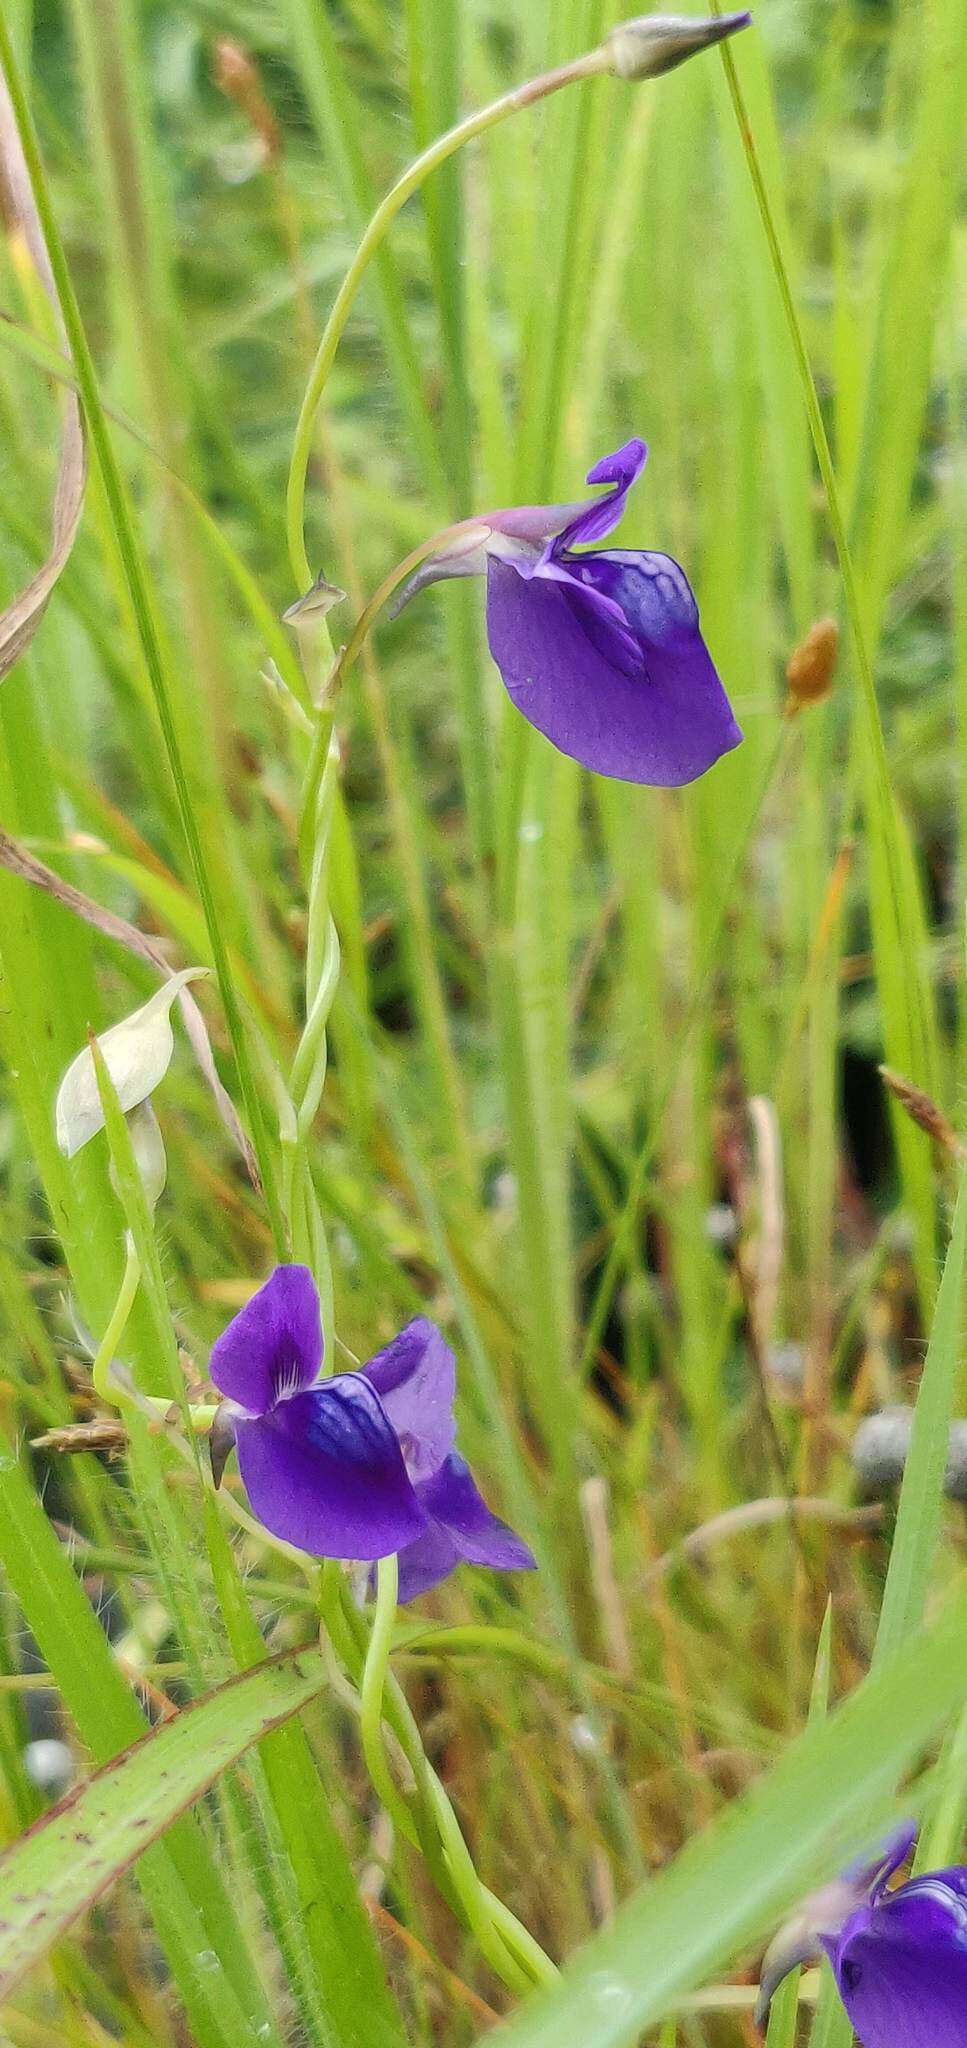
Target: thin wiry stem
[445,146]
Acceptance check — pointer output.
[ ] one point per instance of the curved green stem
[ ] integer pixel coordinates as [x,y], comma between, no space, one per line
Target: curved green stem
[308,1074]
[445,146]
[512,1952]
[521,1943]
[371,1696]
[104,1386]
[472,1895]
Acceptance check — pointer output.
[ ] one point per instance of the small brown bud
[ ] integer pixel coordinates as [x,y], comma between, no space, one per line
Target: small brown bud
[812,666]
[654,43]
[237,77]
[925,1112]
[233,71]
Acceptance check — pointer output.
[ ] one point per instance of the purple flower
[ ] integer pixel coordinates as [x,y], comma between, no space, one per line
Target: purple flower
[358,1466]
[322,1464]
[899,1957]
[901,1961]
[600,650]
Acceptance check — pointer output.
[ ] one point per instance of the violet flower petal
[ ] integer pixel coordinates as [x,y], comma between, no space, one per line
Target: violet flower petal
[324,1471]
[594,521]
[665,726]
[819,1921]
[872,1874]
[273,1347]
[529,528]
[416,1380]
[426,1563]
[452,1498]
[461,1530]
[901,1966]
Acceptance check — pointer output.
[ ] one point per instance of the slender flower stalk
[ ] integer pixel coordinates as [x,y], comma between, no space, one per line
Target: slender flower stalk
[445,146]
[457,1521]
[427,1818]
[104,1386]
[639,49]
[307,1235]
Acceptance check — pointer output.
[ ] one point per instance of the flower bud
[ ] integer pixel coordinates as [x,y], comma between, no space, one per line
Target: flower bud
[317,602]
[137,1053]
[221,1439]
[653,43]
[812,665]
[150,1157]
[925,1112]
[237,77]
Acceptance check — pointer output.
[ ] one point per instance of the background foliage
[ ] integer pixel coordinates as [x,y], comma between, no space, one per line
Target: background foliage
[603,1093]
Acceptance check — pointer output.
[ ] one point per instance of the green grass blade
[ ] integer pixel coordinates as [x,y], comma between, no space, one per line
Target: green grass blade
[71,1856]
[347,1990]
[144,610]
[180,1879]
[921,1498]
[731,1882]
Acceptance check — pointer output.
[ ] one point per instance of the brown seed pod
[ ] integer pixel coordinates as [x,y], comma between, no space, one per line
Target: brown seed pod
[812,665]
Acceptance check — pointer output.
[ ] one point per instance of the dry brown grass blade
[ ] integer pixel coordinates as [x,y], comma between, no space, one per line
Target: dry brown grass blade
[22,616]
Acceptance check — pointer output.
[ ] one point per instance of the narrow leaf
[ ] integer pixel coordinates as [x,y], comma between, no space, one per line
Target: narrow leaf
[71,1856]
[739,1876]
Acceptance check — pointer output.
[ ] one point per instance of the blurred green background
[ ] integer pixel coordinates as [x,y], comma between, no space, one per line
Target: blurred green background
[603,1093]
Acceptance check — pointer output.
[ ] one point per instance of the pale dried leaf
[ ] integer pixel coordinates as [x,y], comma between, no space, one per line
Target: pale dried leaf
[21,617]
[18,860]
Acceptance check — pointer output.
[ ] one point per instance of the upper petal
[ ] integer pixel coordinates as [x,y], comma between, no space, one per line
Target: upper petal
[452,1499]
[273,1347]
[873,1873]
[325,1472]
[521,532]
[664,725]
[621,469]
[901,1967]
[416,1378]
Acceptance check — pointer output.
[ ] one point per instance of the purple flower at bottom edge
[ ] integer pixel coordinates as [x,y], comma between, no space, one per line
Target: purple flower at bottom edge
[901,1964]
[600,650]
[899,1957]
[358,1466]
